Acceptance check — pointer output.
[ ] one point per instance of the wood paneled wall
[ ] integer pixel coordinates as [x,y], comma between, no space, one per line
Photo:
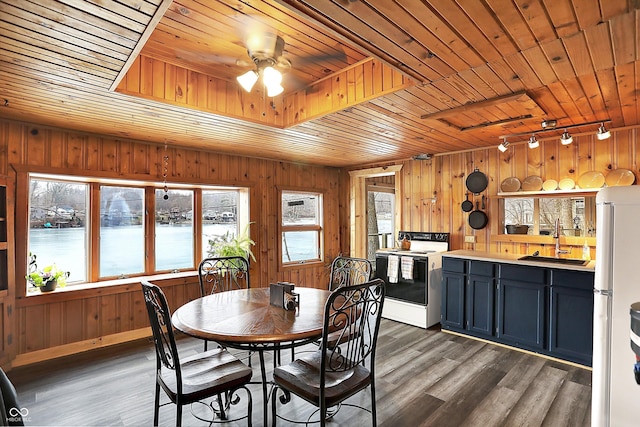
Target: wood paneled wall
[433,190]
[68,321]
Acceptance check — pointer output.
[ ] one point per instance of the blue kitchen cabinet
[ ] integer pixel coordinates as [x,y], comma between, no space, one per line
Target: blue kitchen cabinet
[522,297]
[571,316]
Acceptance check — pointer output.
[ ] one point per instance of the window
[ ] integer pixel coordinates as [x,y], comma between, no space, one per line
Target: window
[132,229]
[121,231]
[58,225]
[174,229]
[219,215]
[576,214]
[301,227]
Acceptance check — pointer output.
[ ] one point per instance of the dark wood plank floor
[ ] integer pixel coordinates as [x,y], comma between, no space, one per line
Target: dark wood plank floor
[424,378]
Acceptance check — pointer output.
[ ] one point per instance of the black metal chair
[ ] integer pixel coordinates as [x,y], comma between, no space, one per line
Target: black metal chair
[330,375]
[220,274]
[348,271]
[215,373]
[10,410]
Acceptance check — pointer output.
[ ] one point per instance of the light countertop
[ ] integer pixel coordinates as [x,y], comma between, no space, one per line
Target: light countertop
[513,259]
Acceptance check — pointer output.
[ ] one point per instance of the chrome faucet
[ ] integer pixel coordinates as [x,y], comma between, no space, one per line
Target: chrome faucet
[556,235]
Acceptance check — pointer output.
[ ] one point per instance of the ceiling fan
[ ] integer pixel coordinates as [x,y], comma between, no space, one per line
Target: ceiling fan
[265,50]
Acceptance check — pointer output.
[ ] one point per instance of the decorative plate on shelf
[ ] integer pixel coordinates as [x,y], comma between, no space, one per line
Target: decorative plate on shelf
[620,177]
[591,179]
[532,183]
[550,185]
[510,185]
[567,184]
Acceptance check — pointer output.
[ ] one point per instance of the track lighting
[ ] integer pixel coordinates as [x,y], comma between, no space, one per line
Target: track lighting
[566,139]
[603,133]
[550,126]
[504,145]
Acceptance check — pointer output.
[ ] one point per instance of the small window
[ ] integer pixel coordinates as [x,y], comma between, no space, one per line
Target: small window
[301,227]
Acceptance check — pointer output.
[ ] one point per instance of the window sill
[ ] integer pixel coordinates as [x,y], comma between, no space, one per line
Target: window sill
[107,287]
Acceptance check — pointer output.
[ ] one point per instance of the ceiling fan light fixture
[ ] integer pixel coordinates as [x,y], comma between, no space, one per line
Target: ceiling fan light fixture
[603,133]
[533,142]
[271,77]
[247,80]
[566,138]
[504,145]
[274,90]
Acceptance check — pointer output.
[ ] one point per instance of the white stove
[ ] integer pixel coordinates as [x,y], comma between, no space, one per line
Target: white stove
[413,277]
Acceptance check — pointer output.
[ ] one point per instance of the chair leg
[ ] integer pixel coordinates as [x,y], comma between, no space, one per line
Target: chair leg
[179,414]
[249,407]
[374,421]
[323,413]
[156,407]
[274,397]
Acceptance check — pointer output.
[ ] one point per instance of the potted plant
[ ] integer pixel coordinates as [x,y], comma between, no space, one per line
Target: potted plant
[231,245]
[47,278]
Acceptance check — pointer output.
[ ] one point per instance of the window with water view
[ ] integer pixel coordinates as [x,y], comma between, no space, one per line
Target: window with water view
[60,224]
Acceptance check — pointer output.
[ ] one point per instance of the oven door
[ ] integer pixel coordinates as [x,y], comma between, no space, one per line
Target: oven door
[413,291]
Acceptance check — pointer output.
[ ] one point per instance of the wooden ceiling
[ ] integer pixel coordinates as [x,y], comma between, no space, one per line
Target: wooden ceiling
[370,80]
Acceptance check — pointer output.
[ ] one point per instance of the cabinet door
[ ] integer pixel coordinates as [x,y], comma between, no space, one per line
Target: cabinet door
[571,324]
[452,316]
[480,305]
[521,313]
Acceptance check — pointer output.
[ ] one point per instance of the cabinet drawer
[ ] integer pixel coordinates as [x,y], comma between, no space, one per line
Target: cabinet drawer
[523,273]
[572,279]
[481,268]
[454,265]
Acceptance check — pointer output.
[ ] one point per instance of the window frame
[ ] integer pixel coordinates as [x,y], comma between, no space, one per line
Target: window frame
[319,228]
[23,179]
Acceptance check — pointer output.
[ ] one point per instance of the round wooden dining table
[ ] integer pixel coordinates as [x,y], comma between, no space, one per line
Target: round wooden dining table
[245,319]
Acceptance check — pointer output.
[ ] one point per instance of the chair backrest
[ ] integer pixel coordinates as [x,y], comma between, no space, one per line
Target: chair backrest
[12,412]
[352,312]
[223,274]
[347,271]
[163,337]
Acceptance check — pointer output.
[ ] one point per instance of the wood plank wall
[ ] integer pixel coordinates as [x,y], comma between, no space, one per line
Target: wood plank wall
[433,190]
[64,322]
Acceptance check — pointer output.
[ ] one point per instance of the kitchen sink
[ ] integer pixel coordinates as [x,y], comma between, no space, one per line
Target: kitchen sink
[566,261]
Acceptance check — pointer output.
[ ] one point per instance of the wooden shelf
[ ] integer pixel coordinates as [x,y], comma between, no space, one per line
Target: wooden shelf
[578,191]
[544,240]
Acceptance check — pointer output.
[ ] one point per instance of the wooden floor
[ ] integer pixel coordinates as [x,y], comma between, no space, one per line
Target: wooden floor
[424,378]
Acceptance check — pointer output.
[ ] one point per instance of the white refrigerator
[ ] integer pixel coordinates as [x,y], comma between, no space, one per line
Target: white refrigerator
[615,395]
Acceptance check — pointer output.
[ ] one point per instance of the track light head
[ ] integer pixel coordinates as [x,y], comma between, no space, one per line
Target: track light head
[566,138]
[603,133]
[504,145]
[548,124]
[533,142]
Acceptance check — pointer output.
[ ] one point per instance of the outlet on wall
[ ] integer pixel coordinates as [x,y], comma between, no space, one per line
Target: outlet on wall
[469,239]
